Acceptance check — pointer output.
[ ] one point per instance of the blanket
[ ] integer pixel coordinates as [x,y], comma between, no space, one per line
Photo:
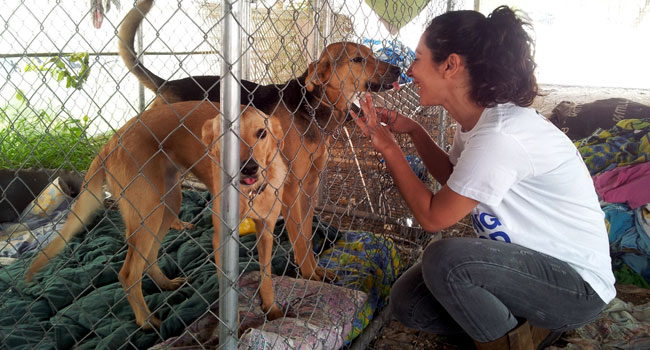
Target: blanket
[621,326]
[578,121]
[366,264]
[626,143]
[629,238]
[78,302]
[628,184]
[320,317]
[34,226]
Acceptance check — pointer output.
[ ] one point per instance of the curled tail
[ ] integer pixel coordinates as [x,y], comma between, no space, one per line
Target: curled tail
[126,37]
[88,201]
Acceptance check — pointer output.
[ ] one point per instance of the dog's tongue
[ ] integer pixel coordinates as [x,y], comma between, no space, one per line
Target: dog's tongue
[395,85]
[249,180]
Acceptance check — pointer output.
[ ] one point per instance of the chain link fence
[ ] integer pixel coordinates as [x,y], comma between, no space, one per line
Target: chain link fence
[66,92]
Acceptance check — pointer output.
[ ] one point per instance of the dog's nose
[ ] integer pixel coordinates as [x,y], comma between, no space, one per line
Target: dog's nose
[395,71]
[249,167]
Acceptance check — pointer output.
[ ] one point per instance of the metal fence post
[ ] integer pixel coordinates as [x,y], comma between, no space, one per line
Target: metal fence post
[230,110]
[246,26]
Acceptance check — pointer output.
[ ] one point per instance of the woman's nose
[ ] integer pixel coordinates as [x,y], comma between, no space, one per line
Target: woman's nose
[409,72]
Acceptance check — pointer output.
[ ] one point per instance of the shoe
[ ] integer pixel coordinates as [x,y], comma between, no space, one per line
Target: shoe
[519,338]
[543,338]
[523,337]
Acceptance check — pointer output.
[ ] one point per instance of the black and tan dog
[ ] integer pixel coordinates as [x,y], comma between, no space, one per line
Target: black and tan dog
[140,164]
[309,108]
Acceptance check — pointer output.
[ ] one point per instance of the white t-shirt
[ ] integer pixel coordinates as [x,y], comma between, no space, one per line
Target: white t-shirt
[534,190]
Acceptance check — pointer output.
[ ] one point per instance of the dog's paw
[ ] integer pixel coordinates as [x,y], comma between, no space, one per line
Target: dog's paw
[321,274]
[150,323]
[181,225]
[175,283]
[274,312]
[328,275]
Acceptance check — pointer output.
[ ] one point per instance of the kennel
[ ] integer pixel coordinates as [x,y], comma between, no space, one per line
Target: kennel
[66,91]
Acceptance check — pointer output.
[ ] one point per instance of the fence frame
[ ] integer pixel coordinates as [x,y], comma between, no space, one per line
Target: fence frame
[230,126]
[236,66]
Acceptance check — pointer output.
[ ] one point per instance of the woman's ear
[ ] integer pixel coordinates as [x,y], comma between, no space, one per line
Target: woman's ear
[453,64]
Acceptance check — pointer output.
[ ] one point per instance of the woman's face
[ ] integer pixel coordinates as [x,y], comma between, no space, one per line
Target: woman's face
[427,75]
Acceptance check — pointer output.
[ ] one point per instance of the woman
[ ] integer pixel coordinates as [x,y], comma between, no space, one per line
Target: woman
[543,266]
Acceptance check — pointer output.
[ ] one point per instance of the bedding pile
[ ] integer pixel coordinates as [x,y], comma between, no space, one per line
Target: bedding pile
[78,302]
[613,137]
[617,159]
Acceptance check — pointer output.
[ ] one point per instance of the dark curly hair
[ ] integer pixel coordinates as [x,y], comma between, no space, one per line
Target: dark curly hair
[497,49]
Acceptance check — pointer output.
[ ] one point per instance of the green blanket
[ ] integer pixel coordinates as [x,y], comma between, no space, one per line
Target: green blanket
[77,301]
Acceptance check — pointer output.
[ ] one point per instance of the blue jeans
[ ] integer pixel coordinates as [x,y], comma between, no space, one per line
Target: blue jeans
[481,288]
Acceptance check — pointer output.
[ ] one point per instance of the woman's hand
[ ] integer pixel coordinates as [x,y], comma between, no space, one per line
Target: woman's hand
[372,125]
[380,123]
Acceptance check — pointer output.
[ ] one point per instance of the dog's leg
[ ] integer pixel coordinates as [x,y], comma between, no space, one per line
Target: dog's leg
[307,202]
[147,220]
[179,224]
[173,204]
[140,239]
[264,230]
[216,237]
[298,211]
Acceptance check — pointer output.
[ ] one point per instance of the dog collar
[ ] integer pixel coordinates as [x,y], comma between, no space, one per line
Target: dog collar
[253,193]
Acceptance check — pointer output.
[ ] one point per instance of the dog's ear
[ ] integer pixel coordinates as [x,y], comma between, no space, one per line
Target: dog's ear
[278,133]
[317,73]
[207,132]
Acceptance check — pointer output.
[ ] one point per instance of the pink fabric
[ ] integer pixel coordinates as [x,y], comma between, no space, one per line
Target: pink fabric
[629,184]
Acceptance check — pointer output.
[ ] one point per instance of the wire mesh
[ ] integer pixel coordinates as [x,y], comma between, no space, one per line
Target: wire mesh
[67,92]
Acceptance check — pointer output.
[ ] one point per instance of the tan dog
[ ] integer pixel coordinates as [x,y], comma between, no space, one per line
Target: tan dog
[310,108]
[146,183]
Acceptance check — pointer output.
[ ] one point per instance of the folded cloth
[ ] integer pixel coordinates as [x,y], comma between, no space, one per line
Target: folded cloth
[627,184]
[367,264]
[38,222]
[320,317]
[629,236]
[626,143]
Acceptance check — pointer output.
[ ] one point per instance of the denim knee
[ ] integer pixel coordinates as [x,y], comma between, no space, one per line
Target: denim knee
[401,296]
[440,257]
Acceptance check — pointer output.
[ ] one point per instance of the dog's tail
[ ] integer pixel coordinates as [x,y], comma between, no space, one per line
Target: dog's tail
[88,201]
[126,48]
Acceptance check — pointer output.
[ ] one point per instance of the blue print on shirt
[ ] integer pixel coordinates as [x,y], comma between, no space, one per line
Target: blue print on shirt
[486,226]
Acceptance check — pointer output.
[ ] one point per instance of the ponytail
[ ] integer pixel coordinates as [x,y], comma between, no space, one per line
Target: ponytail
[498,52]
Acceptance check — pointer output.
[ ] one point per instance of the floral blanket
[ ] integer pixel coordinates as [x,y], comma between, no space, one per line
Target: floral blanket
[622,326]
[320,317]
[626,143]
[323,316]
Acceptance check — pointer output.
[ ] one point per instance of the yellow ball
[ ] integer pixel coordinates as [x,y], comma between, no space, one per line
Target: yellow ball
[246,227]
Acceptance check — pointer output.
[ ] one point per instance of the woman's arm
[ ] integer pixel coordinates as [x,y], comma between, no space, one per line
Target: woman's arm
[433,212]
[434,158]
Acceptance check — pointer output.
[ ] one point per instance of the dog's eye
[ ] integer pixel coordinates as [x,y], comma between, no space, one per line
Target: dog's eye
[261,133]
[358,59]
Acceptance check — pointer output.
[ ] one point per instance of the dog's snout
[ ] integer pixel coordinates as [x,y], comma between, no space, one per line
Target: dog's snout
[249,167]
[395,70]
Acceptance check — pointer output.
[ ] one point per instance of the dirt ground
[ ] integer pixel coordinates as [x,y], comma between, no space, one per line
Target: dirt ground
[394,336]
